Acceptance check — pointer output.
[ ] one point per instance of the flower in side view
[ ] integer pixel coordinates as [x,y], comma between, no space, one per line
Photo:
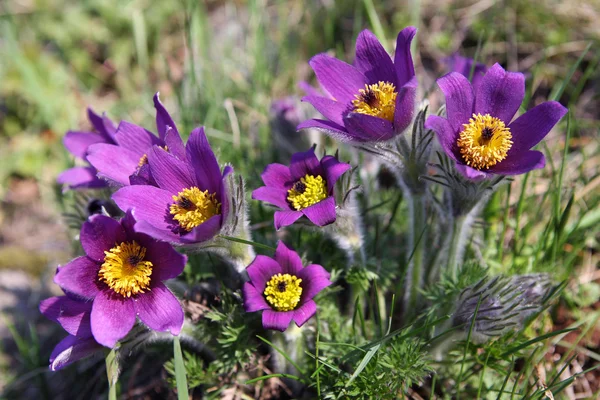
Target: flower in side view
[306,188]
[478,133]
[464,65]
[283,288]
[189,203]
[78,143]
[370,101]
[74,316]
[125,162]
[122,275]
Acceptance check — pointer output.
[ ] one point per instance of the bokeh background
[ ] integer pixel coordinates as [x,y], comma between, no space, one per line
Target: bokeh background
[222,64]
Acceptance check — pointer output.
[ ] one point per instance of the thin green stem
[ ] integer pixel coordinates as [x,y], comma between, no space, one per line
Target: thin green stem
[457,244]
[110,375]
[414,282]
[180,375]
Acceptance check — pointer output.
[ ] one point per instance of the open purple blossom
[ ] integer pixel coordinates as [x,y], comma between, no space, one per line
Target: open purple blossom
[125,162]
[122,275]
[78,143]
[464,65]
[283,288]
[74,316]
[189,203]
[478,133]
[372,100]
[306,188]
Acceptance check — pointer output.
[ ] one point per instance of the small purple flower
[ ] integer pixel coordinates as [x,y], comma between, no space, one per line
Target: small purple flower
[463,65]
[78,143]
[74,316]
[306,187]
[189,203]
[283,288]
[122,274]
[478,133]
[372,100]
[124,162]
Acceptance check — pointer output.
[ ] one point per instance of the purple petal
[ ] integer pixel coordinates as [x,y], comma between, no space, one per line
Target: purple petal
[80,277]
[150,204]
[305,163]
[445,134]
[500,93]
[72,349]
[142,176]
[175,144]
[463,65]
[77,143]
[286,218]
[203,232]
[472,174]
[136,138]
[112,318]
[405,106]
[288,259]
[99,234]
[305,312]
[329,128]
[278,320]
[530,128]
[103,125]
[72,315]
[459,99]
[163,119]
[368,127]
[253,299]
[333,170]
[277,175]
[520,163]
[372,59]
[81,177]
[314,279]
[340,79]
[331,109]
[277,197]
[321,213]
[163,234]
[159,309]
[169,172]
[261,270]
[203,162]
[310,90]
[405,69]
[168,262]
[113,163]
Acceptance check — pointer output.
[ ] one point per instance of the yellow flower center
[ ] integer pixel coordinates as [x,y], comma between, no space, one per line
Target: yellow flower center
[192,207]
[283,292]
[378,100]
[484,141]
[307,191]
[124,269]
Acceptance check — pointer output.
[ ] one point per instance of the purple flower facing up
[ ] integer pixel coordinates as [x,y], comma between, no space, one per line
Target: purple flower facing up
[463,65]
[283,288]
[78,143]
[306,188]
[372,100]
[189,203]
[74,316]
[478,133]
[125,162]
[122,274]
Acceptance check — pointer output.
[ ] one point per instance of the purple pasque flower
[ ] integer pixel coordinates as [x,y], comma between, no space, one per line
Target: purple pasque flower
[122,275]
[372,100]
[189,203]
[463,65]
[124,162]
[306,187]
[78,143]
[478,133]
[73,315]
[283,288]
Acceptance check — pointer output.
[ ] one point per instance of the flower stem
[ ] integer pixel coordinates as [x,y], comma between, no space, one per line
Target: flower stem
[180,378]
[460,230]
[416,246]
[111,374]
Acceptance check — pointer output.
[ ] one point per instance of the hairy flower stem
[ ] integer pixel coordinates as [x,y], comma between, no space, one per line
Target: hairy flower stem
[458,241]
[415,254]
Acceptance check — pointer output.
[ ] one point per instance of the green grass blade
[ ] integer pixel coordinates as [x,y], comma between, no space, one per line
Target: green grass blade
[180,375]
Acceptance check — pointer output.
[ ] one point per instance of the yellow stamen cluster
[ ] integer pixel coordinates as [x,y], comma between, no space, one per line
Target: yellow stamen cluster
[124,269]
[378,100]
[307,191]
[484,141]
[192,207]
[283,292]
